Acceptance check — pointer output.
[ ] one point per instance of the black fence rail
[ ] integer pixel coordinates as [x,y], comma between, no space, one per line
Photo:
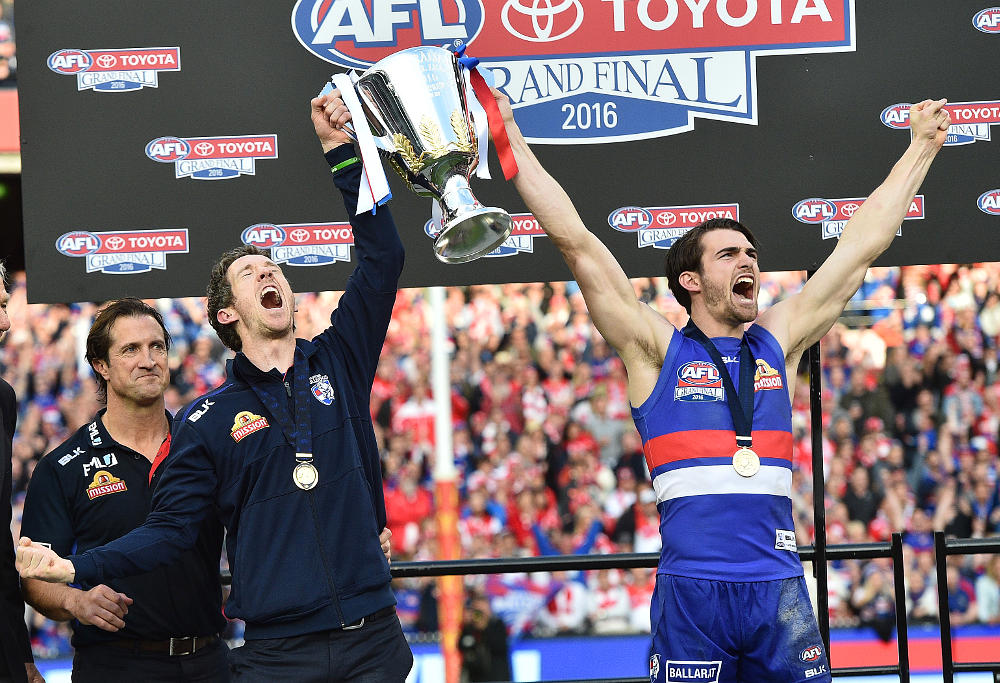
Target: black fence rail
[848,551]
[942,549]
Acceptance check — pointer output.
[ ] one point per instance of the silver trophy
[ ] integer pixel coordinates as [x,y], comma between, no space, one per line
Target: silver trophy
[414,101]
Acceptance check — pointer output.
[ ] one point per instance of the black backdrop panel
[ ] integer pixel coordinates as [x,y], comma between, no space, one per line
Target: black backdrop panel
[107,87]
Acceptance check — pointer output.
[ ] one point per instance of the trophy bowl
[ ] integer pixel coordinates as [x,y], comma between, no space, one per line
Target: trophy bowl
[414,101]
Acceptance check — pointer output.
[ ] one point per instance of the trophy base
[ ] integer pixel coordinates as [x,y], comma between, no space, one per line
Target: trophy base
[473,234]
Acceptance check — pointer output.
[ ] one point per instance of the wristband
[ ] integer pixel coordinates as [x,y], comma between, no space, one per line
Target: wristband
[344,164]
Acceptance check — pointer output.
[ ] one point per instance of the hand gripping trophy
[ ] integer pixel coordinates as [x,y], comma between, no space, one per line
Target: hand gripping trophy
[414,102]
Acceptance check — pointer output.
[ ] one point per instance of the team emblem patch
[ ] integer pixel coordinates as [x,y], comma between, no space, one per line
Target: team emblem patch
[654,668]
[699,380]
[246,423]
[321,389]
[765,377]
[103,484]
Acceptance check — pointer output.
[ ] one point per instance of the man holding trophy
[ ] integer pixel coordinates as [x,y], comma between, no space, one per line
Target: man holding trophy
[730,603]
[284,452]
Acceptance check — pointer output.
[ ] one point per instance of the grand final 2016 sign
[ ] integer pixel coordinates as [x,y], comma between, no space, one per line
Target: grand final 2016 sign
[658,65]
[653,114]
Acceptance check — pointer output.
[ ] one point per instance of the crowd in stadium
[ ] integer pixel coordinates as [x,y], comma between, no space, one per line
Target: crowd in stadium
[549,461]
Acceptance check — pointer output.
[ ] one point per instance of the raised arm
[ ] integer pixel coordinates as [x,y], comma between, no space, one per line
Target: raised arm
[636,331]
[803,319]
[362,316]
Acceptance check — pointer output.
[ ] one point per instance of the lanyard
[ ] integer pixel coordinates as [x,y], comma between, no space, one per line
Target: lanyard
[296,427]
[741,403]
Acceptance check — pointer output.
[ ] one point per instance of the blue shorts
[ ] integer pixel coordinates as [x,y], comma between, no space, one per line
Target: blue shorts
[727,632]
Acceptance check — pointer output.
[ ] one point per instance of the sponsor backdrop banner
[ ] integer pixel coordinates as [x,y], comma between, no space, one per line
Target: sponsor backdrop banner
[155,138]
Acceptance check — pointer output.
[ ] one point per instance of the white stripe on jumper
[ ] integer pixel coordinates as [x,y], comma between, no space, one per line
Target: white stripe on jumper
[705,480]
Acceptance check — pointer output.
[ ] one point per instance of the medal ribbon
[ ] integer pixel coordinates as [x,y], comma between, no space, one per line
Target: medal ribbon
[297,428]
[741,403]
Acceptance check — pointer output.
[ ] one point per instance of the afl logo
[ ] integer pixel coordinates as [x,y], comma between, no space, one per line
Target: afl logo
[988,20]
[168,150]
[356,34]
[79,243]
[811,654]
[814,211]
[699,373]
[263,235]
[989,202]
[630,219]
[432,228]
[70,61]
[542,21]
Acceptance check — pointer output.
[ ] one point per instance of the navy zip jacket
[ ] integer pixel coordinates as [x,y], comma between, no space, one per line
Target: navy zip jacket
[302,561]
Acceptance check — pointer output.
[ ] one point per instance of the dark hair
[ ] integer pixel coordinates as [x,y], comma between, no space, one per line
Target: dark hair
[99,338]
[685,254]
[220,293]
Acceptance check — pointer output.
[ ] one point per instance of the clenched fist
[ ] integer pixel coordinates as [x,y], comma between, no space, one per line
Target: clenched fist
[35,561]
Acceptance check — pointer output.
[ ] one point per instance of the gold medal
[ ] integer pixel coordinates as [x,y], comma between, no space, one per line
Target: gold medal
[745,462]
[305,475]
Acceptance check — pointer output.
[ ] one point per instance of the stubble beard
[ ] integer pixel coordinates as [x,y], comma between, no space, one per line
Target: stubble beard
[720,300]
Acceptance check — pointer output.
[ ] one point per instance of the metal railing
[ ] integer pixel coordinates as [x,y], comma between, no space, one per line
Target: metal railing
[849,551]
[942,549]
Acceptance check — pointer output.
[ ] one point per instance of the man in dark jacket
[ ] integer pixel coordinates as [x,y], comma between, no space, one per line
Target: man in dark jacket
[285,453]
[16,663]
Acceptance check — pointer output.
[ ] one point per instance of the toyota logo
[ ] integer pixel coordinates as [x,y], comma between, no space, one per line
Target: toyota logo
[666,218]
[542,14]
[299,235]
[849,209]
[115,243]
[106,61]
[204,148]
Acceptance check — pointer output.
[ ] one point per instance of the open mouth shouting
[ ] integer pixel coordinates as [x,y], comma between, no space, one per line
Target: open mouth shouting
[270,297]
[743,289]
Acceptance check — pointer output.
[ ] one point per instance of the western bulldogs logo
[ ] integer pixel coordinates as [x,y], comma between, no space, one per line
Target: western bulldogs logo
[654,668]
[321,389]
[582,70]
[699,380]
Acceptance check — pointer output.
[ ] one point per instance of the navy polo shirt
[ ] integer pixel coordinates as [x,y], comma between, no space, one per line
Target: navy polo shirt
[91,490]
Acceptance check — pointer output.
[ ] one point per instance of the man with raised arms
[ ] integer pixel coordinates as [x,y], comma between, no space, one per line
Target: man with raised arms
[711,402]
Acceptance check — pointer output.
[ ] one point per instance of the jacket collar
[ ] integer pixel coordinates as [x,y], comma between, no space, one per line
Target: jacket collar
[242,369]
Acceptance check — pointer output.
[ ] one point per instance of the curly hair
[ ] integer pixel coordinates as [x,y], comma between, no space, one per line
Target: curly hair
[220,294]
